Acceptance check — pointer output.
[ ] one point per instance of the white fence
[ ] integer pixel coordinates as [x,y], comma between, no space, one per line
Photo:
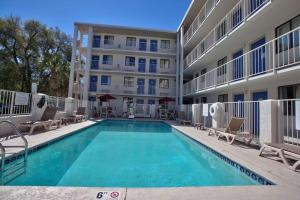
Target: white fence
[287,119]
[276,54]
[14,103]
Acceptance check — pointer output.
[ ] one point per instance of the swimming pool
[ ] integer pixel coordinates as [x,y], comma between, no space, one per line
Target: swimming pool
[131,154]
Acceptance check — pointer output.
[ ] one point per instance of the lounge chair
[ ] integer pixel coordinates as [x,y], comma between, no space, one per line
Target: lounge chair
[232,131]
[284,152]
[182,118]
[80,115]
[46,121]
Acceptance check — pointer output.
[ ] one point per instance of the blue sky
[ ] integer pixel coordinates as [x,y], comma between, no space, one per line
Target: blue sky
[158,14]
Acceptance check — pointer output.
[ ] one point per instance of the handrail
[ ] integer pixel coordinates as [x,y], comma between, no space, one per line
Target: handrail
[19,134]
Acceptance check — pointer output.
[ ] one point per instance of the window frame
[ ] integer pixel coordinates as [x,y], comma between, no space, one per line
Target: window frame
[108,80]
[130,43]
[127,83]
[108,39]
[107,61]
[164,83]
[165,44]
[163,65]
[130,63]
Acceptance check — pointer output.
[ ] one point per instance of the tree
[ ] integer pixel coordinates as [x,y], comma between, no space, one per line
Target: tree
[31,52]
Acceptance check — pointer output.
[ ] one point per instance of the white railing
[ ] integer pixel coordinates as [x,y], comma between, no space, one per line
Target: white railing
[138,90]
[205,11]
[274,55]
[58,102]
[239,14]
[289,121]
[14,103]
[136,69]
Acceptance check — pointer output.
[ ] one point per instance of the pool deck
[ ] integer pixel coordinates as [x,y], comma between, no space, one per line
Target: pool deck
[287,181]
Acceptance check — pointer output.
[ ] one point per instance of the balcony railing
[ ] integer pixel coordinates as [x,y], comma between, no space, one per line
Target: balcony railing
[136,69]
[239,14]
[140,47]
[139,90]
[279,53]
[200,18]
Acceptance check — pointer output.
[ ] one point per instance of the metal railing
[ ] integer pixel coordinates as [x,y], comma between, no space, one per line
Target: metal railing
[282,52]
[289,121]
[58,102]
[139,90]
[14,103]
[205,11]
[239,14]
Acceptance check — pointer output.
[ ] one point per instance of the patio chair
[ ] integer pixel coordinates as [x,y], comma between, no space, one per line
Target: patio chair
[232,131]
[182,118]
[46,121]
[80,114]
[104,112]
[163,114]
[284,152]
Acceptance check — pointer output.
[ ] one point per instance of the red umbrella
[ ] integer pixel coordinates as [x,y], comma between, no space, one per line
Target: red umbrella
[166,100]
[106,97]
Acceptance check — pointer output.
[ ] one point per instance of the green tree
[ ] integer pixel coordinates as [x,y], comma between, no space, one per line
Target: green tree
[31,52]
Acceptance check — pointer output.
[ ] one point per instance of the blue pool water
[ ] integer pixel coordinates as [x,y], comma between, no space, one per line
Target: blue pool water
[129,154]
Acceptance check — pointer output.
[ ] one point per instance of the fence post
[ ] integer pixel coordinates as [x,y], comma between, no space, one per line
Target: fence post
[12,102]
[268,130]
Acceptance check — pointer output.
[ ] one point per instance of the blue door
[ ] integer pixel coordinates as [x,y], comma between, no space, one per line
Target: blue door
[153,45]
[152,86]
[258,59]
[257,96]
[153,66]
[143,45]
[142,65]
[238,65]
[141,86]
[238,109]
[93,83]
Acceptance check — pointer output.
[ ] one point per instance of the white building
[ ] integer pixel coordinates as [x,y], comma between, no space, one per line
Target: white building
[136,66]
[240,50]
[227,50]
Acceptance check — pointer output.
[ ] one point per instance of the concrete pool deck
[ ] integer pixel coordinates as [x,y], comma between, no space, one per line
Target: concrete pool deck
[287,181]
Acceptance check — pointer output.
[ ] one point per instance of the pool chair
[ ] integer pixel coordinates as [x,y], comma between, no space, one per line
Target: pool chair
[79,115]
[46,121]
[232,131]
[182,118]
[285,152]
[163,114]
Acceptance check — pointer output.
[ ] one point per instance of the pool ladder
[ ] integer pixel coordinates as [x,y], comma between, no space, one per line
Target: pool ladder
[11,170]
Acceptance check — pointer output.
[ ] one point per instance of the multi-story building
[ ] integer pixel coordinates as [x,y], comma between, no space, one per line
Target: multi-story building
[226,50]
[131,64]
[240,50]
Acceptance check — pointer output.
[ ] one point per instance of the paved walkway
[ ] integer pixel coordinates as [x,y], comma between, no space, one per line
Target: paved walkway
[287,182]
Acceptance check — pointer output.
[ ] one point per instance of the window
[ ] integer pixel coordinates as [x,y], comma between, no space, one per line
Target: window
[151,101]
[288,92]
[142,65]
[109,39]
[130,41]
[143,45]
[129,61]
[164,83]
[105,80]
[107,60]
[128,81]
[164,63]
[96,41]
[289,40]
[221,30]
[95,62]
[165,44]
[153,45]
[203,100]
[141,86]
[153,65]
[152,86]
[93,83]
[140,101]
[222,67]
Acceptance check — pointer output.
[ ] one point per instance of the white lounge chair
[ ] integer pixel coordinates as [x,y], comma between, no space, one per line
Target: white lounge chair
[284,152]
[232,131]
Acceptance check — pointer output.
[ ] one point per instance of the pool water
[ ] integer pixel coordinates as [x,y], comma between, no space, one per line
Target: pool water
[128,154]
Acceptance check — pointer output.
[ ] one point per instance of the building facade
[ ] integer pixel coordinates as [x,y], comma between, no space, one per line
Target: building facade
[135,66]
[223,51]
[240,50]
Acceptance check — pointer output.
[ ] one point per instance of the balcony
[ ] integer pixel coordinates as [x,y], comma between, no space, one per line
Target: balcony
[136,69]
[136,90]
[205,11]
[136,48]
[268,59]
[240,13]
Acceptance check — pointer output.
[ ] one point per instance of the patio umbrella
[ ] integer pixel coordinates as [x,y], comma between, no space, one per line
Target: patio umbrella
[106,98]
[166,100]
